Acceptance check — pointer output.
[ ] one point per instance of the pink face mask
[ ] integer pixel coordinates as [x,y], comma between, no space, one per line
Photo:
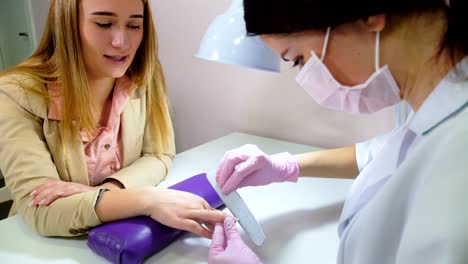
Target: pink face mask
[378,92]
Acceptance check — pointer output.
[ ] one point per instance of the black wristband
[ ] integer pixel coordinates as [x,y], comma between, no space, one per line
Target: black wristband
[101,191]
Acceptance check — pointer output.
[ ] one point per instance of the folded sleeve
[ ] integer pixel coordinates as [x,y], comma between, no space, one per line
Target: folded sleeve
[26,163]
[149,169]
[367,150]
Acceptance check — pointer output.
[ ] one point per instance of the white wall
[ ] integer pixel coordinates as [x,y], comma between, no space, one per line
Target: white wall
[15,19]
[40,10]
[30,16]
[210,100]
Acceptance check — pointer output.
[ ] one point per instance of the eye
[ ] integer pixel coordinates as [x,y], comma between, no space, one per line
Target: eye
[298,61]
[103,25]
[134,26]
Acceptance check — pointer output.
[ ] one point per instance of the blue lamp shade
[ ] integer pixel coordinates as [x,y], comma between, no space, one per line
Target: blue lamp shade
[226,41]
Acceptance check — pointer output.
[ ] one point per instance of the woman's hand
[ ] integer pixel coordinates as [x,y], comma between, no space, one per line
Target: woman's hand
[183,210]
[250,166]
[51,191]
[228,247]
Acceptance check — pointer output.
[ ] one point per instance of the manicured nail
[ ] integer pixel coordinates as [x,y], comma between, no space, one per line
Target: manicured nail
[31,203]
[229,222]
[33,193]
[42,202]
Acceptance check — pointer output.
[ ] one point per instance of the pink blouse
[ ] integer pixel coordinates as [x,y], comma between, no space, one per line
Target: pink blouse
[103,150]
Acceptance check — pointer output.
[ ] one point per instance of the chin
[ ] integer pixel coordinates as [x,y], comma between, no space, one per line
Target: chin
[118,74]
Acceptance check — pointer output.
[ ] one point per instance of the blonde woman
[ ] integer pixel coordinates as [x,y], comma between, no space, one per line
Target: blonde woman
[84,124]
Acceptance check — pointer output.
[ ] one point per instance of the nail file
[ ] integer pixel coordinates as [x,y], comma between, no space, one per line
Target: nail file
[239,209]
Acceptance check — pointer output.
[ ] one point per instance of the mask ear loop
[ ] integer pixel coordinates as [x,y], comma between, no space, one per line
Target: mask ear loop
[377,51]
[325,43]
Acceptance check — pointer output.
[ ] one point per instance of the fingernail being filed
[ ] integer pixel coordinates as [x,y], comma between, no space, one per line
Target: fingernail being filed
[229,222]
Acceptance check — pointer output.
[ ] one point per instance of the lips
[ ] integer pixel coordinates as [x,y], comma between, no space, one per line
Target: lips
[116,58]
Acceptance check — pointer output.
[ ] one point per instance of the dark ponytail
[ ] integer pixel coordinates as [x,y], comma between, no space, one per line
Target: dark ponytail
[456,37]
[290,16]
[293,16]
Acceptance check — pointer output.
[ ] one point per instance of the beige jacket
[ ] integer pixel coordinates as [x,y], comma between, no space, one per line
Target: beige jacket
[30,155]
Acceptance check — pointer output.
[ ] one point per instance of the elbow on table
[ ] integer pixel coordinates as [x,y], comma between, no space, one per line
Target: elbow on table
[66,217]
[45,227]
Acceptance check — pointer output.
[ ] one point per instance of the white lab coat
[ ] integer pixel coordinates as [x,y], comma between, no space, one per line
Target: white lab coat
[408,204]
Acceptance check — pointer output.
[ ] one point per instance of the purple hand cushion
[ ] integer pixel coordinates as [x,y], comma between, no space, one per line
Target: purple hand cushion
[132,240]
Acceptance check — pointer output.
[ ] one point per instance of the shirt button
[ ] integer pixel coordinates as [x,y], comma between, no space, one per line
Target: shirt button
[107,146]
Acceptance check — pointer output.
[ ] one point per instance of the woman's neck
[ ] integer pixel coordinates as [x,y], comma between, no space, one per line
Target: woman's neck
[415,59]
[101,93]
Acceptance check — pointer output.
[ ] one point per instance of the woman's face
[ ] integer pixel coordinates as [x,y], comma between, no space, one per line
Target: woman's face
[349,55]
[110,33]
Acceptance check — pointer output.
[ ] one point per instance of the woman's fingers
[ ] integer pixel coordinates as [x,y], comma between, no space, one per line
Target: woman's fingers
[50,198]
[194,219]
[185,211]
[71,191]
[47,196]
[206,216]
[194,227]
[226,169]
[55,190]
[218,242]
[41,197]
[210,226]
[44,186]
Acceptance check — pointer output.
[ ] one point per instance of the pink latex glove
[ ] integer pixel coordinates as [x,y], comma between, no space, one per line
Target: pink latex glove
[255,168]
[227,247]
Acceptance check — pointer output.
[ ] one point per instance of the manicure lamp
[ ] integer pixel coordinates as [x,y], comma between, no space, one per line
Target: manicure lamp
[226,41]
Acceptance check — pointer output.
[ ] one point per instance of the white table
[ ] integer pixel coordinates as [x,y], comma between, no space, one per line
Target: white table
[299,220]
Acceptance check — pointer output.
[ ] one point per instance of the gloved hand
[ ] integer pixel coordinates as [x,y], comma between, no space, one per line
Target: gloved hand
[255,168]
[227,247]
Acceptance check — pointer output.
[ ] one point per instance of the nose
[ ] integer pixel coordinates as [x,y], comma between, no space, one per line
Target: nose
[120,38]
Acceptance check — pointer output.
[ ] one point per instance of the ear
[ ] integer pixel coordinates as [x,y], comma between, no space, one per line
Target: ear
[376,23]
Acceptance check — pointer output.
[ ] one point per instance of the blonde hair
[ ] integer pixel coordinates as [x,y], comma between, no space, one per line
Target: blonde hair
[58,59]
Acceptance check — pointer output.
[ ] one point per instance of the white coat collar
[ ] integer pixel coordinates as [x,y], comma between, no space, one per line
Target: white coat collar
[448,98]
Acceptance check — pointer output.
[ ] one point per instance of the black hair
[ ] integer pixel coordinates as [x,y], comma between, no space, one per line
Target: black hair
[293,16]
